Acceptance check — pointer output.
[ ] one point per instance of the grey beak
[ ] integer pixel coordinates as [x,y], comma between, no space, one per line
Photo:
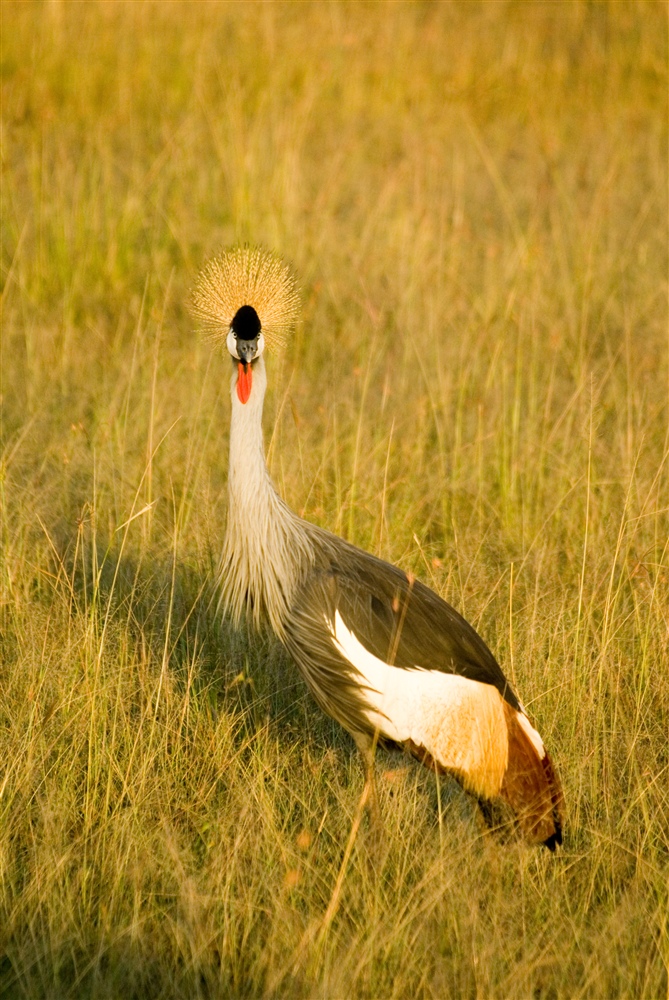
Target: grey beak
[247,349]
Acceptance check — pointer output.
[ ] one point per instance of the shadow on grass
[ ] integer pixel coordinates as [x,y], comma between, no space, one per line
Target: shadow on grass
[170,609]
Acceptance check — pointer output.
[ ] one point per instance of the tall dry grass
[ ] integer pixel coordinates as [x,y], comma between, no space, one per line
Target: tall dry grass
[475,199]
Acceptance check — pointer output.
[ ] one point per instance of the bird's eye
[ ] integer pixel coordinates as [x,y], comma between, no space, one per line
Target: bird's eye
[231,343]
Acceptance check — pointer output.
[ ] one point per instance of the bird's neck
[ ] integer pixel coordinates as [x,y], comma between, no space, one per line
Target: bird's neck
[267,549]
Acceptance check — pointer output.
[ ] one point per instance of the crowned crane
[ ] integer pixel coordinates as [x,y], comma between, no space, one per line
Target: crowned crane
[380,652]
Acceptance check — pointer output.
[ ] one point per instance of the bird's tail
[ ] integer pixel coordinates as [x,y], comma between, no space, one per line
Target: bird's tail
[530,785]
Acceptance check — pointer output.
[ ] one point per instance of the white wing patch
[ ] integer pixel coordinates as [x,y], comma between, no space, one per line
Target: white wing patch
[460,722]
[533,735]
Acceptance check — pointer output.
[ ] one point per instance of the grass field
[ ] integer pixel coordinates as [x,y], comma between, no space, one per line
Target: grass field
[474,198]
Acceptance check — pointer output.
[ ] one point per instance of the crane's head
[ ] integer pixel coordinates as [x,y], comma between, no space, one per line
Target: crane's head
[249,298]
[245,342]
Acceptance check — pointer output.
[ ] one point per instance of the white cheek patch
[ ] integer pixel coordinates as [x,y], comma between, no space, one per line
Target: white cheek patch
[231,344]
[261,345]
[460,722]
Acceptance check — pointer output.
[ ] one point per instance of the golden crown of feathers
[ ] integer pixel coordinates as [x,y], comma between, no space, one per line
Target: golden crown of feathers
[245,276]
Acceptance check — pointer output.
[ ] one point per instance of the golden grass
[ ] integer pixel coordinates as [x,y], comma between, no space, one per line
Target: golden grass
[474,197]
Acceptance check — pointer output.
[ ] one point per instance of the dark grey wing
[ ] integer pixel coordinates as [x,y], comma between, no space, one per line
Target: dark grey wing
[397,618]
[308,637]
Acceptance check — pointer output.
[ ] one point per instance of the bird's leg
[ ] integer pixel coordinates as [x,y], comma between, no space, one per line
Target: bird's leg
[495,818]
[487,812]
[366,744]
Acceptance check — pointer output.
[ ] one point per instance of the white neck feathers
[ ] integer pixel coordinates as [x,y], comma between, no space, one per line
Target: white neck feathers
[267,550]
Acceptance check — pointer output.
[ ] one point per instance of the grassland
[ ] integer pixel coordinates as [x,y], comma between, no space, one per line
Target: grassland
[474,197]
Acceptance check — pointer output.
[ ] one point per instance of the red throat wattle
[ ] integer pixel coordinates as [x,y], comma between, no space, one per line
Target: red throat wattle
[243,382]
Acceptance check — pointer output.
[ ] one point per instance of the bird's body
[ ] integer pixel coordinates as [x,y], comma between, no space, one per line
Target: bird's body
[381,653]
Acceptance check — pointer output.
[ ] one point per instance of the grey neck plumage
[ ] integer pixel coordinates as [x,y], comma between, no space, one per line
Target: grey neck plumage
[268,549]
